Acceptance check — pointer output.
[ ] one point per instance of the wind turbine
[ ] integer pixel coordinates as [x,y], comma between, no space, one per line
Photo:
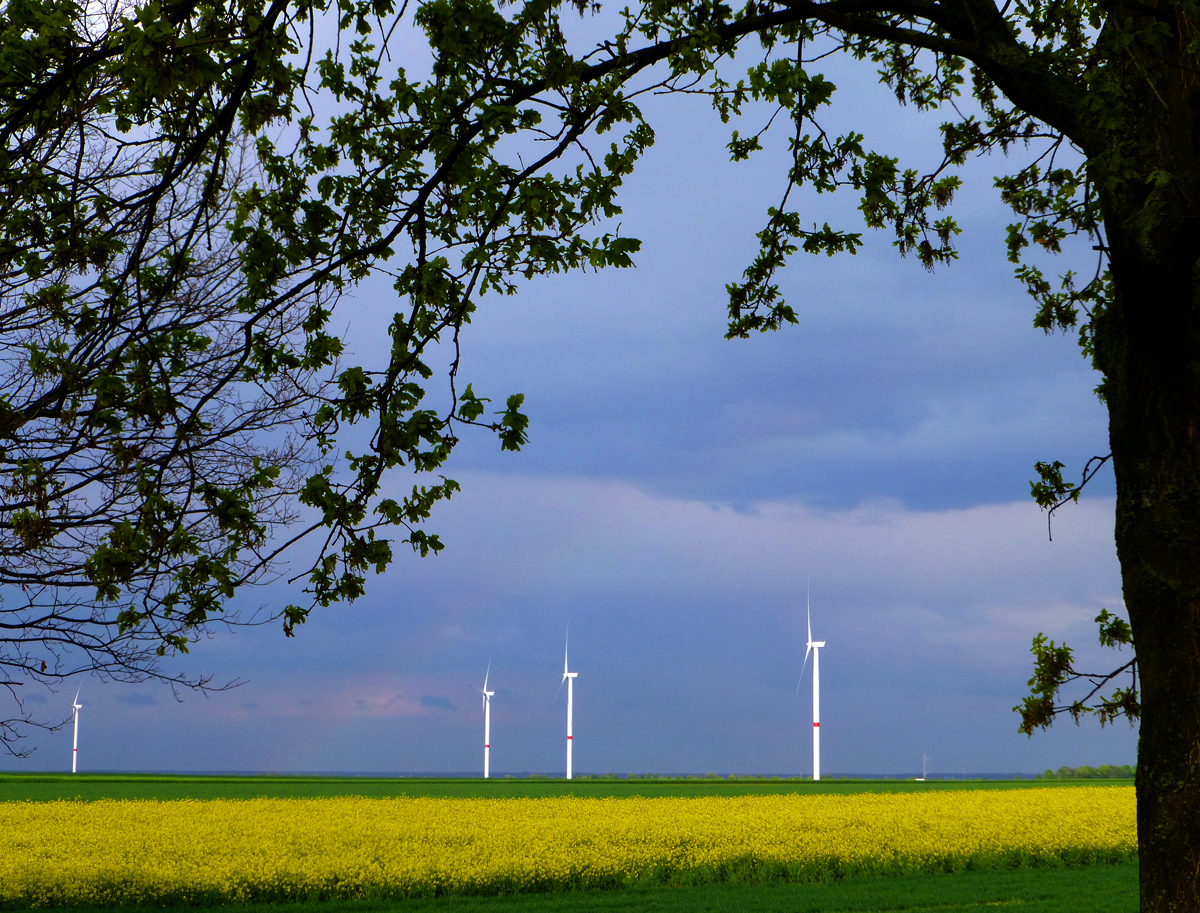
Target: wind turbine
[814,647]
[75,750]
[569,678]
[487,721]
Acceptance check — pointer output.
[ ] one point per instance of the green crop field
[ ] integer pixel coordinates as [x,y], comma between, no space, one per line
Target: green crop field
[1031,885]
[49,787]
[1091,889]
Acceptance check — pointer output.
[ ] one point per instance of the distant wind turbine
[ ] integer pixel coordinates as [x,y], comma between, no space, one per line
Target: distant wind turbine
[569,678]
[75,750]
[814,647]
[487,722]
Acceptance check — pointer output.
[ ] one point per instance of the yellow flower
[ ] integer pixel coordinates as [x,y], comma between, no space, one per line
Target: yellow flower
[221,851]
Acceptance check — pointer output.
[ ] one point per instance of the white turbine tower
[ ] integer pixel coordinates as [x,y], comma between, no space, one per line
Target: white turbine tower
[569,678]
[487,722]
[814,646]
[75,750]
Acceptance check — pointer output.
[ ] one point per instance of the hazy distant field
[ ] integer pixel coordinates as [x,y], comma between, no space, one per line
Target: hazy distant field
[46,787]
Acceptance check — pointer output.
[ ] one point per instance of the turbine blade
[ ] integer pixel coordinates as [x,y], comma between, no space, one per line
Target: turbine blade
[486,674]
[75,703]
[802,668]
[566,668]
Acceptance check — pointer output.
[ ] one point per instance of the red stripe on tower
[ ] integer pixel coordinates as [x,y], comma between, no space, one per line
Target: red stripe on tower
[816,724]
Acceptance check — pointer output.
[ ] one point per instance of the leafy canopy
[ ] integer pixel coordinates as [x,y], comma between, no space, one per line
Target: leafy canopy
[191,189]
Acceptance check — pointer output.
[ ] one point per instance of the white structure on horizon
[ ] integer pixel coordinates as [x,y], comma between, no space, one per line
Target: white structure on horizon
[569,678]
[487,722]
[814,647]
[925,767]
[75,748]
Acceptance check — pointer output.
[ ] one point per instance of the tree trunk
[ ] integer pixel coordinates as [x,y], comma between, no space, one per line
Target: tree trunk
[1148,344]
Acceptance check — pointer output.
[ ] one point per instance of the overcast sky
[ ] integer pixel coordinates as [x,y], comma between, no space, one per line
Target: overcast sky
[677,493]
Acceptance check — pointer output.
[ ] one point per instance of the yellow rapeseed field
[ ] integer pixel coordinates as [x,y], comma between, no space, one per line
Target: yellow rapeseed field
[216,851]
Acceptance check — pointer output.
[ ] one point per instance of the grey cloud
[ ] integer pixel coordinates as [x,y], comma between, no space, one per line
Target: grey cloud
[687,630]
[136,699]
[933,389]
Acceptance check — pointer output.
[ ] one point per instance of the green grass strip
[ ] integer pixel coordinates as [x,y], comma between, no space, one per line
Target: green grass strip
[1086,889]
[90,787]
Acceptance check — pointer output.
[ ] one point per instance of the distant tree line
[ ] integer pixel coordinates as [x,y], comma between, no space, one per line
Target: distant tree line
[1103,772]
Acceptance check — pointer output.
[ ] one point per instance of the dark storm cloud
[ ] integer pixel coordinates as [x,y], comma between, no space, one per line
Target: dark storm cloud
[930,388]
[136,699]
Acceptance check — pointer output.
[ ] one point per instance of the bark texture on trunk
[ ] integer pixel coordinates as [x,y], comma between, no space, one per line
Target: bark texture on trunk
[1154,401]
[1149,342]
[1148,345]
